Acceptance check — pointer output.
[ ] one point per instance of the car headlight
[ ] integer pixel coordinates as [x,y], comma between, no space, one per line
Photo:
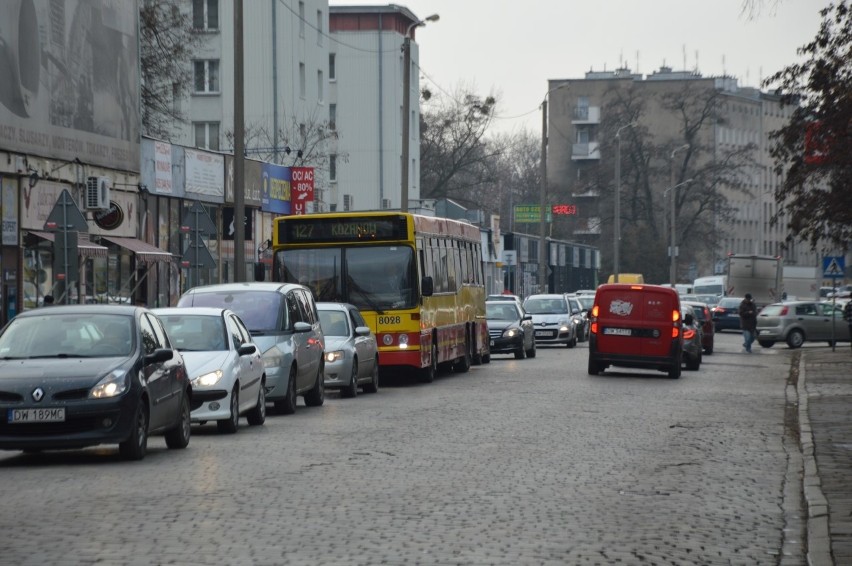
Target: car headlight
[208,379]
[114,383]
[273,358]
[511,332]
[334,356]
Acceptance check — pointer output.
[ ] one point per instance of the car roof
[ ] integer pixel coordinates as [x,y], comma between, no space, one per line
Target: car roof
[125,310]
[247,286]
[196,311]
[547,296]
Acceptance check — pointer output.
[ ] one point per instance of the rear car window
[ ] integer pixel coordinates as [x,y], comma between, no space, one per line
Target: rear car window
[772,310]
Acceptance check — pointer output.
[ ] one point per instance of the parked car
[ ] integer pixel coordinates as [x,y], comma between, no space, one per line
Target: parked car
[510,328]
[797,322]
[551,317]
[637,326]
[223,363]
[579,314]
[726,314]
[351,350]
[704,318]
[284,324]
[692,348]
[83,375]
[514,298]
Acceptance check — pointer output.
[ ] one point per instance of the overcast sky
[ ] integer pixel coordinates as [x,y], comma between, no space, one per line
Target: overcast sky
[513,48]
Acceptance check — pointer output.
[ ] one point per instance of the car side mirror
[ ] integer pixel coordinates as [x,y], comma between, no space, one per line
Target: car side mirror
[427,286]
[302,327]
[527,317]
[362,331]
[246,349]
[158,356]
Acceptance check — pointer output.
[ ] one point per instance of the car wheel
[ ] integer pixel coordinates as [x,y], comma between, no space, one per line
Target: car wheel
[520,353]
[136,445]
[232,423]
[674,371]
[373,386]
[795,339]
[178,437]
[531,351]
[287,405]
[257,416]
[693,362]
[766,343]
[572,342]
[594,367]
[351,390]
[316,396]
[427,374]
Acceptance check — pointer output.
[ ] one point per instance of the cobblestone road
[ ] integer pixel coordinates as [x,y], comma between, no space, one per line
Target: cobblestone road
[517,462]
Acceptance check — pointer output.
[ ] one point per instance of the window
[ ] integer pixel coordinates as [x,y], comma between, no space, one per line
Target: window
[205,14]
[332,168]
[319,27]
[206,76]
[386,203]
[301,19]
[332,69]
[207,135]
[320,85]
[348,203]
[332,116]
[302,80]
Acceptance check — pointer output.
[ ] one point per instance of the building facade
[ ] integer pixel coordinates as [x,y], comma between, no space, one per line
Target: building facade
[586,114]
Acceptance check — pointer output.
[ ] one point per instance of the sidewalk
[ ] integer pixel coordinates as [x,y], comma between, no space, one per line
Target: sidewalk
[825,419]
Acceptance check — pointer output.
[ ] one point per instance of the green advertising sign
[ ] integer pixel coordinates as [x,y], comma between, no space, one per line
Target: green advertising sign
[530,214]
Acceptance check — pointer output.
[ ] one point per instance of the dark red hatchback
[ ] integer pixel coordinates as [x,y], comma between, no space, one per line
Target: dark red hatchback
[705,318]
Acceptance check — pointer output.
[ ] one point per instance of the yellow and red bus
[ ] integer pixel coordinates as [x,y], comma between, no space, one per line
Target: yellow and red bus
[418,281]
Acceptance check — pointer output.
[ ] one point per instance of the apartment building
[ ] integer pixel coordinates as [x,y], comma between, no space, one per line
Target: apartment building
[584,117]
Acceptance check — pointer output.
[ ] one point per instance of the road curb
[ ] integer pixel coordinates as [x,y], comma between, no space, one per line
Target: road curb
[819,539]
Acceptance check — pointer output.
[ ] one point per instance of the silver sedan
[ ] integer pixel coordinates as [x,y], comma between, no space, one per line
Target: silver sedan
[351,350]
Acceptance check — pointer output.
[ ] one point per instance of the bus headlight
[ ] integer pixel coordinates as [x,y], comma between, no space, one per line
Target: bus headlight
[387,339]
[403,341]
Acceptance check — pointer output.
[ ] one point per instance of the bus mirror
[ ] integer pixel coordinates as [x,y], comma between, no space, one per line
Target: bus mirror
[259,271]
[426,288]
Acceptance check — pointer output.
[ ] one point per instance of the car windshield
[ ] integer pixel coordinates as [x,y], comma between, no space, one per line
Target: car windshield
[195,333]
[260,311]
[730,303]
[535,305]
[587,301]
[68,336]
[333,323]
[501,312]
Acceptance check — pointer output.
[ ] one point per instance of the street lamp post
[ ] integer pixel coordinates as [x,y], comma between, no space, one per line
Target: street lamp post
[672,251]
[406,107]
[673,266]
[542,234]
[616,236]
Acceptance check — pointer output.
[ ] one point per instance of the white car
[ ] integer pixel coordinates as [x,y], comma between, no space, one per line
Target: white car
[551,316]
[351,350]
[224,365]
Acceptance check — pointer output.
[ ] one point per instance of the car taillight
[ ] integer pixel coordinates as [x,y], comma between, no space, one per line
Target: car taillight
[688,334]
[719,310]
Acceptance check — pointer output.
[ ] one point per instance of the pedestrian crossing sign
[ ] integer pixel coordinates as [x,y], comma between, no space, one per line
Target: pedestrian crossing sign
[833,267]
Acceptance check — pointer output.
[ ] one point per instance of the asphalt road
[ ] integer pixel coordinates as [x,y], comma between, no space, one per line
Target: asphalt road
[516,462]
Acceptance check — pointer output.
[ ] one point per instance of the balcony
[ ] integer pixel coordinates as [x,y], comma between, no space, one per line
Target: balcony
[586,115]
[581,151]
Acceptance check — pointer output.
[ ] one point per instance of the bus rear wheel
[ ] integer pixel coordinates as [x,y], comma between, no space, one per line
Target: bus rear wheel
[427,374]
[462,365]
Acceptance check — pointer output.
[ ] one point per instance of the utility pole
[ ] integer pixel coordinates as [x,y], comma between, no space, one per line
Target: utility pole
[239,148]
[542,227]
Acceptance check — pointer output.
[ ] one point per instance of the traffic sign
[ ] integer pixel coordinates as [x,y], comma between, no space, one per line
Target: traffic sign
[833,267]
[65,215]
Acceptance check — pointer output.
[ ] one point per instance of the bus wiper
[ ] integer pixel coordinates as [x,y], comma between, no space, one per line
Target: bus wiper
[367,299]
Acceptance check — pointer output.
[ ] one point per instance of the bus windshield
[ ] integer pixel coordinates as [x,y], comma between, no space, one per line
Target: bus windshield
[375,278]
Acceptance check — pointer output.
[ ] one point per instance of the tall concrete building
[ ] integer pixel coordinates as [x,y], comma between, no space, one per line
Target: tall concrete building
[733,122]
[286,75]
[367,75]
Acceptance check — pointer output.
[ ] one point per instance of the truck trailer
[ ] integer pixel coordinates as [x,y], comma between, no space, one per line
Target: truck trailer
[760,275]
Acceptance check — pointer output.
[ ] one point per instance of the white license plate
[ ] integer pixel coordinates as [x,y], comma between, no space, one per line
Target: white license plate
[21,416]
[543,333]
[617,331]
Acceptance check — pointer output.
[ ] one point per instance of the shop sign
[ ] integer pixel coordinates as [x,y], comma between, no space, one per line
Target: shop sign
[111,218]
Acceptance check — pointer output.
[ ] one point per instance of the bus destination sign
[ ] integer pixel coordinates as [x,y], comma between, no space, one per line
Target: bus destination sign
[355,229]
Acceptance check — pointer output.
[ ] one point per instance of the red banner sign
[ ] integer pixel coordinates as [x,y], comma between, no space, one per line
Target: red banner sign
[301,188]
[564,209]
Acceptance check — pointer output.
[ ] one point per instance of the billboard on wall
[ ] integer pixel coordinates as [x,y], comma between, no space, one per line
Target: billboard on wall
[275,189]
[70,80]
[252,180]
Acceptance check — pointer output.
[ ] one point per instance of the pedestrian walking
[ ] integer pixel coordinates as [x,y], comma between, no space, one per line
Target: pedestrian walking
[847,316]
[748,321]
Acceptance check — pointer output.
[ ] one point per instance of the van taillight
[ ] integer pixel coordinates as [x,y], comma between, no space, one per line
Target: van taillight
[595,311]
[675,315]
[675,332]
[594,329]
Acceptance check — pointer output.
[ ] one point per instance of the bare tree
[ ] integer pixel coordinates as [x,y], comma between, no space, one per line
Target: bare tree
[167,44]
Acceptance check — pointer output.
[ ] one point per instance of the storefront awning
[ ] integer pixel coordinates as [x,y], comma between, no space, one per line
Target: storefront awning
[144,251]
[84,245]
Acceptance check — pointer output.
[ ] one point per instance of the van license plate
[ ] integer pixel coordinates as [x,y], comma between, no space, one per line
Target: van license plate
[618,331]
[17,416]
